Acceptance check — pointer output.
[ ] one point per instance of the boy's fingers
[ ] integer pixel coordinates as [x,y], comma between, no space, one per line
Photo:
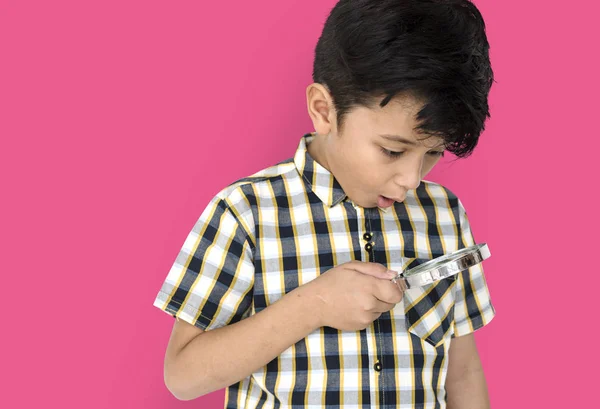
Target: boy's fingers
[383,306]
[388,292]
[373,269]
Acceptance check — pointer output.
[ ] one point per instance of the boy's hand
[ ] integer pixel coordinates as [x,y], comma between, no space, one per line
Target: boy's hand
[353,295]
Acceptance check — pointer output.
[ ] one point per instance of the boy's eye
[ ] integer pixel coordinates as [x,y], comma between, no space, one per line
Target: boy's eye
[395,154]
[392,154]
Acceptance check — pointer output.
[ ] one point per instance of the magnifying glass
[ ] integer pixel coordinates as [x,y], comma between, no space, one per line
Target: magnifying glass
[443,267]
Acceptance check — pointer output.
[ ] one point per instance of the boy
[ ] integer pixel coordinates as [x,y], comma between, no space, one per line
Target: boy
[282,290]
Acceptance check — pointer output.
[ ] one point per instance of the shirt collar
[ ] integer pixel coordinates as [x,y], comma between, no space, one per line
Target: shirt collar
[320,180]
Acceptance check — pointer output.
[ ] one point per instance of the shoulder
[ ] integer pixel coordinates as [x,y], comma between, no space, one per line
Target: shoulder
[255,184]
[434,194]
[241,197]
[431,194]
[436,200]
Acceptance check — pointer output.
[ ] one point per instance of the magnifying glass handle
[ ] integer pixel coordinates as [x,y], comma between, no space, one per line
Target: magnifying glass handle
[401,282]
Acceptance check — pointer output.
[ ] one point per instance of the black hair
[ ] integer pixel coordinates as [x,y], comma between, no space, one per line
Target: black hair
[433,50]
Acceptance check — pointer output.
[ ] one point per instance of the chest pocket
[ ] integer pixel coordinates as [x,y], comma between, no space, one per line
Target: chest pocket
[429,310]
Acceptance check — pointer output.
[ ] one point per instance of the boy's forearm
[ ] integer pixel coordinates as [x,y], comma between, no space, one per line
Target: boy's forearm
[470,392]
[466,387]
[218,358]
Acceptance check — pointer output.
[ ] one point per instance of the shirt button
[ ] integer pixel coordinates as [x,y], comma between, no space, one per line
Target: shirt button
[368,247]
[377,366]
[367,236]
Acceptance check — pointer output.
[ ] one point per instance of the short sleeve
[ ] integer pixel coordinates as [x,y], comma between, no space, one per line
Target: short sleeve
[210,283]
[473,307]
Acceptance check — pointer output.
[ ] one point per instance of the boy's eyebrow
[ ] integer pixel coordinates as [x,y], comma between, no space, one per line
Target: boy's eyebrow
[398,138]
[402,139]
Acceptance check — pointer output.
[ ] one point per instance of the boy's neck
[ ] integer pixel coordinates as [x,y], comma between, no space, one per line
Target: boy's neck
[317,152]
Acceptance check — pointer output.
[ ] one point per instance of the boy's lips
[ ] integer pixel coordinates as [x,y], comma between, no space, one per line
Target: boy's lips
[383,201]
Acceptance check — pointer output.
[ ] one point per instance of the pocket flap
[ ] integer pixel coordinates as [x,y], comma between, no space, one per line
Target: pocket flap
[429,310]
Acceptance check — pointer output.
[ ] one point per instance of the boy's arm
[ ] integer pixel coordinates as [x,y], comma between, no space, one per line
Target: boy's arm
[199,362]
[466,387]
[348,297]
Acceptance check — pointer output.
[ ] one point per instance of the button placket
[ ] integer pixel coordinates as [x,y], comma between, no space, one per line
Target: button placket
[369,238]
[360,218]
[370,244]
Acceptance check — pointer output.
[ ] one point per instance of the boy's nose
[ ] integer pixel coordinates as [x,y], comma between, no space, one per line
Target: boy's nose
[409,177]
[412,181]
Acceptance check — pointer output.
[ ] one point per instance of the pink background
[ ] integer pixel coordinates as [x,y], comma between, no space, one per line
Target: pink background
[120,119]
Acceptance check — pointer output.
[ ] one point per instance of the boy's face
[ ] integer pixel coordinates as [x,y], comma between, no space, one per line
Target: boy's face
[378,156]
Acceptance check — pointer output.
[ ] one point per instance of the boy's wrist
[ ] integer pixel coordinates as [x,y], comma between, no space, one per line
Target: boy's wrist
[307,305]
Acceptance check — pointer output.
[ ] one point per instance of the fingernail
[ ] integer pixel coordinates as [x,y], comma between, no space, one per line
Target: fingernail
[392,273]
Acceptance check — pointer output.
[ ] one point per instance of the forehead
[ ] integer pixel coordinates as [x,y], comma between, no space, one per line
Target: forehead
[396,123]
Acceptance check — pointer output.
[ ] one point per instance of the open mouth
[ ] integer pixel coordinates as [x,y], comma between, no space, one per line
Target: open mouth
[384,202]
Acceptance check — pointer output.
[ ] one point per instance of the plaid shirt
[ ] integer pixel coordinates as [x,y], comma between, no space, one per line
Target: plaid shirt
[267,234]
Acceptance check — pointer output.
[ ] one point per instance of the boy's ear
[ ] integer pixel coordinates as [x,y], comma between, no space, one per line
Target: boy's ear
[320,108]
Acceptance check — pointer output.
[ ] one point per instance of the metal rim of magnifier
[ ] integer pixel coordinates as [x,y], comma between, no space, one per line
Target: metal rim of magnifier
[444,266]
